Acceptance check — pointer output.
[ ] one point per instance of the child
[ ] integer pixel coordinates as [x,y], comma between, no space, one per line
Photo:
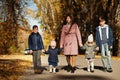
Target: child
[53,52]
[104,41]
[89,46]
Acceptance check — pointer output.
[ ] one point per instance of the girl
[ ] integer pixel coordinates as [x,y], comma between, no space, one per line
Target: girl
[89,46]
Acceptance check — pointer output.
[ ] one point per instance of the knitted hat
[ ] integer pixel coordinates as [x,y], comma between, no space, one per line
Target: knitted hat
[53,43]
[90,38]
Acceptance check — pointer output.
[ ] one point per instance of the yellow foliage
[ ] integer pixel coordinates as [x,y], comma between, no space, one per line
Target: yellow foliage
[47,39]
[30,12]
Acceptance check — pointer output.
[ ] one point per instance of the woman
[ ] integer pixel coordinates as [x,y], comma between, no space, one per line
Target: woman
[70,38]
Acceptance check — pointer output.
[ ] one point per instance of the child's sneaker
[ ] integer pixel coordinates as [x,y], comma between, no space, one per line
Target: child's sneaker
[92,69]
[51,69]
[54,70]
[88,70]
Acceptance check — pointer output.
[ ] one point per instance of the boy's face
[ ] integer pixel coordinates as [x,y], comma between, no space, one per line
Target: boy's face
[102,22]
[35,30]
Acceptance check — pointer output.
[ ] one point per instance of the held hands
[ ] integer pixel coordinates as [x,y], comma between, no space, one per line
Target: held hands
[43,50]
[61,47]
[82,47]
[97,48]
[110,48]
[31,52]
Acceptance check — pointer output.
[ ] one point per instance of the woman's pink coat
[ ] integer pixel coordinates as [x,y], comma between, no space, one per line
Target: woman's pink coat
[71,40]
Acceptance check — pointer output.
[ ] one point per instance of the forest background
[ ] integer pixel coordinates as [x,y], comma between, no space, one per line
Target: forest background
[15,27]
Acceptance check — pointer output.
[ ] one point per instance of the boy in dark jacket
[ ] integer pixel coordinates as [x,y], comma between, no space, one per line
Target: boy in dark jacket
[36,46]
[104,41]
[53,52]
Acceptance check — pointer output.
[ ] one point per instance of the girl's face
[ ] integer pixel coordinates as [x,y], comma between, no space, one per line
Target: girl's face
[68,19]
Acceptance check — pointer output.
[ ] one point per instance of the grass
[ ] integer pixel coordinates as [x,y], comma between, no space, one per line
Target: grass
[12,69]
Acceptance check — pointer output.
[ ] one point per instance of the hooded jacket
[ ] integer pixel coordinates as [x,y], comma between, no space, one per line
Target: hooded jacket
[109,35]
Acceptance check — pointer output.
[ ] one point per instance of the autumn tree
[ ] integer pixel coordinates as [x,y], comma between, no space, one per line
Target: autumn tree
[11,17]
[85,13]
[50,15]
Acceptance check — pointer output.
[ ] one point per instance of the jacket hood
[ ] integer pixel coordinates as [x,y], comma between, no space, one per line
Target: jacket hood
[103,26]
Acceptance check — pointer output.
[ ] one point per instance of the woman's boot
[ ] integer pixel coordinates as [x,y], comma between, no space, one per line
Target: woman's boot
[69,67]
[73,70]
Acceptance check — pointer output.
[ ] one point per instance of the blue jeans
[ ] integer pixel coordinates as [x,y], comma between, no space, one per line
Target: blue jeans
[105,53]
[36,60]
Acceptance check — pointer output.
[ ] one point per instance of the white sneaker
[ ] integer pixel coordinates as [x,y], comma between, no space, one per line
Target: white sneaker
[54,70]
[88,70]
[51,69]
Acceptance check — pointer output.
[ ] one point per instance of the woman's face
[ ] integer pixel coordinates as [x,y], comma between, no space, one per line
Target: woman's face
[68,19]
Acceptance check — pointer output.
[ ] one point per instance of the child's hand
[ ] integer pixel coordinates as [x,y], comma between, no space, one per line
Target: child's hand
[31,51]
[110,48]
[43,50]
[61,46]
[62,49]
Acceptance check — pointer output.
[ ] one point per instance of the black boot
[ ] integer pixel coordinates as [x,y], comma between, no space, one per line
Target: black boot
[69,67]
[73,69]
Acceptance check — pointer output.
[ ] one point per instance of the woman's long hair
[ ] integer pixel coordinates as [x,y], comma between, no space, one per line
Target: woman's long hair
[65,22]
[71,17]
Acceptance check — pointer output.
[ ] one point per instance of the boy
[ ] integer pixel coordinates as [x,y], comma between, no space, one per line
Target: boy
[36,47]
[104,41]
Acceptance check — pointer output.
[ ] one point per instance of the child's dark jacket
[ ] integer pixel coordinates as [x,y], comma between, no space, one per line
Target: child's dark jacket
[53,54]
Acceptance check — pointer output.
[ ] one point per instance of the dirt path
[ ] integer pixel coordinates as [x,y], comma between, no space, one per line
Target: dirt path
[80,73]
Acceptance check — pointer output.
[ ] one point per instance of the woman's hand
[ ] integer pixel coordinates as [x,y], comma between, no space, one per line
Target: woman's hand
[81,45]
[97,48]
[61,46]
